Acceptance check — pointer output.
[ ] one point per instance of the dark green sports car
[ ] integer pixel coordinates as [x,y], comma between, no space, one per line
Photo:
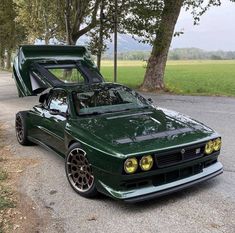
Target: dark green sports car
[114,141]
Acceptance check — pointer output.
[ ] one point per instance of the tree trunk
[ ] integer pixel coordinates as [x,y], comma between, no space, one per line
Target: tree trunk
[67,22]
[47,39]
[8,60]
[2,62]
[99,54]
[98,61]
[68,71]
[154,76]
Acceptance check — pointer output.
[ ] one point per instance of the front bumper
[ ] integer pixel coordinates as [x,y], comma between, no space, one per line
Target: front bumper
[145,193]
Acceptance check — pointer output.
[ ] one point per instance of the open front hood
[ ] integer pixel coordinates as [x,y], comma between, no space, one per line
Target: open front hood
[145,131]
[28,70]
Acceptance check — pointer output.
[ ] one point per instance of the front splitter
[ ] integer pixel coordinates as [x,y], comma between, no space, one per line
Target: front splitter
[142,194]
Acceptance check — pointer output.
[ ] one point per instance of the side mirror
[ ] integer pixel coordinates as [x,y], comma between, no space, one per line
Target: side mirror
[43,98]
[58,112]
[150,100]
[64,114]
[54,112]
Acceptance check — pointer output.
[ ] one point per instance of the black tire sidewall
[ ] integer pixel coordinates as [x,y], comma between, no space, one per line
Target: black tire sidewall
[25,141]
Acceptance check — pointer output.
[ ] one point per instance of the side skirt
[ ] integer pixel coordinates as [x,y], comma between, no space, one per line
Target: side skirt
[36,141]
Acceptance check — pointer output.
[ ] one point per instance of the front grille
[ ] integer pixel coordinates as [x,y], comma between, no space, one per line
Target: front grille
[179,155]
[167,177]
[177,174]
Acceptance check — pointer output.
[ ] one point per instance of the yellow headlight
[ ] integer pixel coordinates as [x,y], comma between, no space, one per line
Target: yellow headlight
[146,163]
[209,147]
[131,165]
[217,144]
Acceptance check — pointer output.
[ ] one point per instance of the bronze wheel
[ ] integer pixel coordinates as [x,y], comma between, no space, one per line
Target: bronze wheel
[19,129]
[79,172]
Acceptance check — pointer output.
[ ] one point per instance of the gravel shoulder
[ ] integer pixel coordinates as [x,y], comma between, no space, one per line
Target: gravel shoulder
[207,207]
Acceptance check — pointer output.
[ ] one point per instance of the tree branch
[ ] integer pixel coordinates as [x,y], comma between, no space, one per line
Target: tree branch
[78,33]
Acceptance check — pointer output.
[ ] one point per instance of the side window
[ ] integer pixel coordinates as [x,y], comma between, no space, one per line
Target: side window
[59,102]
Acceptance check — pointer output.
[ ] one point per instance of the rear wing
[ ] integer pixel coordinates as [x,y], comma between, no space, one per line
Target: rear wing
[31,53]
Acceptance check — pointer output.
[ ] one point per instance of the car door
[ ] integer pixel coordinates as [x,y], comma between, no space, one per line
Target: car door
[33,66]
[54,120]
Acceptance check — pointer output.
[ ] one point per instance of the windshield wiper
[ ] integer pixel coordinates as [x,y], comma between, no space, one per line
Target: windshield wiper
[146,107]
[122,110]
[99,113]
[128,109]
[90,113]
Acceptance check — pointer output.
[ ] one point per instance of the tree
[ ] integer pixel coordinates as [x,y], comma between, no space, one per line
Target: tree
[155,22]
[157,62]
[7,30]
[65,20]
[97,36]
[80,18]
[11,34]
[41,19]
[103,30]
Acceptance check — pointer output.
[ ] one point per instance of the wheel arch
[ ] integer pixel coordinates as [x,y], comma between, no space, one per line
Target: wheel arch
[22,112]
[72,142]
[95,156]
[24,119]
[25,113]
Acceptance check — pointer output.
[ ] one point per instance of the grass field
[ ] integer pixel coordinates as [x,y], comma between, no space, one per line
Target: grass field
[181,77]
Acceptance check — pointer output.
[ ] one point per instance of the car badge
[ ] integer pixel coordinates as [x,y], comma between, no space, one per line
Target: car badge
[182,151]
[198,150]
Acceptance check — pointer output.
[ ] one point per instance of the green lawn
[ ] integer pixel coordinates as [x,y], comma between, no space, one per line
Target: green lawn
[181,77]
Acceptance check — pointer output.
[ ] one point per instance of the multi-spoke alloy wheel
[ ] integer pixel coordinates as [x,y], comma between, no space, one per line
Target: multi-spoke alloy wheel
[79,172]
[19,129]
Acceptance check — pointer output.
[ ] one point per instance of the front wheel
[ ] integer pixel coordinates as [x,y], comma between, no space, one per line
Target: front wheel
[79,172]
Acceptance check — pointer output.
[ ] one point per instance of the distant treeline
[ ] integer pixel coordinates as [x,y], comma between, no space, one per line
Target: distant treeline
[176,54]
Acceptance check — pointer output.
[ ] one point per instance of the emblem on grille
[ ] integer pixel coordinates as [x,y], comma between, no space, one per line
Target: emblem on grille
[198,150]
[182,151]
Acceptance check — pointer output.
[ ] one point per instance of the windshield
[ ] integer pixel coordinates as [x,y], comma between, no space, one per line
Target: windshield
[107,98]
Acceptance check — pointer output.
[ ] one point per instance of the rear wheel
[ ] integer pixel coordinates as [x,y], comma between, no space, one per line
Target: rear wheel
[79,172]
[21,129]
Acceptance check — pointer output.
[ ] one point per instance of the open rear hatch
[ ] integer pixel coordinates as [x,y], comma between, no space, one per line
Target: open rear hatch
[38,67]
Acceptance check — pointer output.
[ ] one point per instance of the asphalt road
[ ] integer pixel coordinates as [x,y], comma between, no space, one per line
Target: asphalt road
[207,207]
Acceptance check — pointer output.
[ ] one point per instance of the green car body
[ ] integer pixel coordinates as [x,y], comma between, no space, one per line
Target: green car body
[175,142]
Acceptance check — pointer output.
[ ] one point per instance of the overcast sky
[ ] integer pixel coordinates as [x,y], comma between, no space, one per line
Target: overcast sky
[216,29]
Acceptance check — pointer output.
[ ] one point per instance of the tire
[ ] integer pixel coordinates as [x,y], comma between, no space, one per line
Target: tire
[79,172]
[21,129]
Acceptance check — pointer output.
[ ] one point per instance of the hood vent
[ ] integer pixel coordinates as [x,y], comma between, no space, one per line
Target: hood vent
[128,115]
[154,135]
